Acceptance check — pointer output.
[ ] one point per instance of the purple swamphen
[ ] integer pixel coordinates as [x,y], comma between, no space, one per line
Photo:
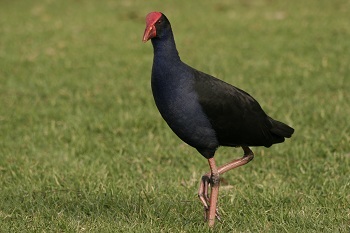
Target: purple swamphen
[206,112]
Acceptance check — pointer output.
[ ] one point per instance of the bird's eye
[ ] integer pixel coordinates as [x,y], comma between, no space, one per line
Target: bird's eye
[159,21]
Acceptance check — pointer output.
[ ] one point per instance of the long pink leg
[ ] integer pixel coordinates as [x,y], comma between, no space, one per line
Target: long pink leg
[213,179]
[215,182]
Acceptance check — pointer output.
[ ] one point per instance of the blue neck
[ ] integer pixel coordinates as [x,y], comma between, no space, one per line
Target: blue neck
[165,48]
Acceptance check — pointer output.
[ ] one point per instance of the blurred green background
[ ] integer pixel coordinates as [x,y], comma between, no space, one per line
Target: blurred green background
[84,149]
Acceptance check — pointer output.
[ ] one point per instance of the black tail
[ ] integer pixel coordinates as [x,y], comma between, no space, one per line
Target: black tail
[280,129]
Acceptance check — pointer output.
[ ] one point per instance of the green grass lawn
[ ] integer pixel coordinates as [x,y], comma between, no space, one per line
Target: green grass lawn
[84,149]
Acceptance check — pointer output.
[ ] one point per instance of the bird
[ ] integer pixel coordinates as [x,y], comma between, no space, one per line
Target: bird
[206,112]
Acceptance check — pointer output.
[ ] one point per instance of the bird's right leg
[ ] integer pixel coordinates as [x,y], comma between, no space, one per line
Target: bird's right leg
[207,179]
[247,157]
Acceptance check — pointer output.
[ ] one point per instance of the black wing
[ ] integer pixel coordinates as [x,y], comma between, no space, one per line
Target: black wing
[236,117]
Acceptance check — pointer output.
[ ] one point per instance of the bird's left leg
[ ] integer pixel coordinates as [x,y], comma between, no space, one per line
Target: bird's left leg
[210,204]
[214,194]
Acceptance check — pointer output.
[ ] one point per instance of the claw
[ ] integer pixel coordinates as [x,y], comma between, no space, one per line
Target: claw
[203,194]
[217,215]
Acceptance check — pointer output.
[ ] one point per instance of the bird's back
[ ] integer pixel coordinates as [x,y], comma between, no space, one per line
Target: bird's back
[236,117]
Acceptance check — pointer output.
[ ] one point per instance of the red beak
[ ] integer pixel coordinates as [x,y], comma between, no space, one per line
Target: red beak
[150,32]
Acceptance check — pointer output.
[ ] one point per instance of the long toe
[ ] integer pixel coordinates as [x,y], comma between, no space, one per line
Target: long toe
[217,215]
[203,194]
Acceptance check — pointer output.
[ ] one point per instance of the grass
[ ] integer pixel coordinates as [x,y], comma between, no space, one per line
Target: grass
[83,148]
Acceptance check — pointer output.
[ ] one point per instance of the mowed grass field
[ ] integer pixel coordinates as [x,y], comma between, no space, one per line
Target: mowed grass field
[84,149]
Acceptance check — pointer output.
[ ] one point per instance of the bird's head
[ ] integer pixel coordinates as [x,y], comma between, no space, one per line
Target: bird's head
[156,26]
